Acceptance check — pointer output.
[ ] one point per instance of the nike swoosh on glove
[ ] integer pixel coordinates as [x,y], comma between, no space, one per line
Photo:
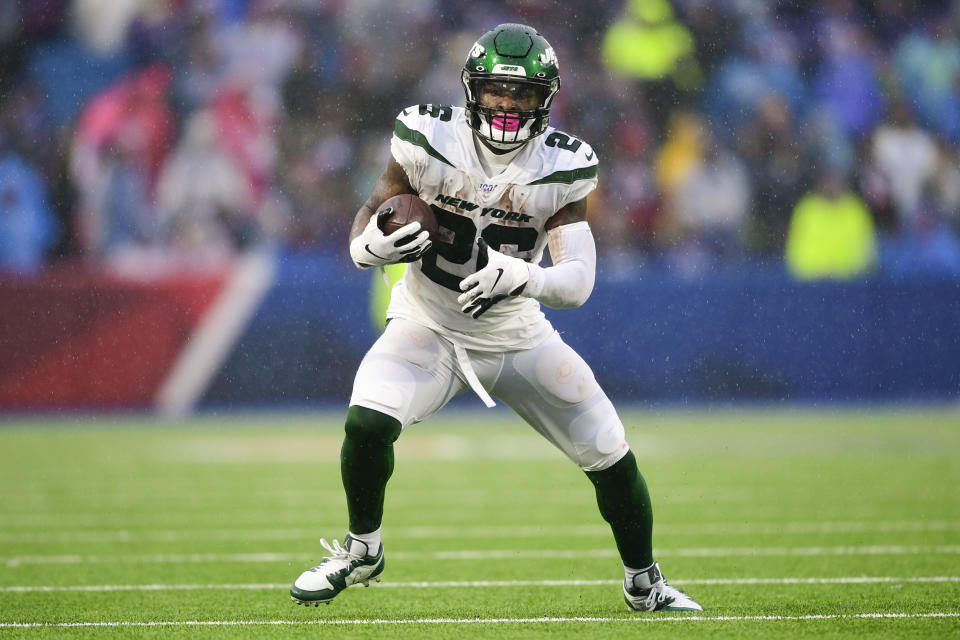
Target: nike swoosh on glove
[499,277]
[374,249]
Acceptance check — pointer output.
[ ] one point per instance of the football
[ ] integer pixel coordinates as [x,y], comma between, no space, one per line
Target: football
[408,208]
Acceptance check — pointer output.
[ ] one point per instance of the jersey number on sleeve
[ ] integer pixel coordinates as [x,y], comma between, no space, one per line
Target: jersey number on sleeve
[562,141]
[460,248]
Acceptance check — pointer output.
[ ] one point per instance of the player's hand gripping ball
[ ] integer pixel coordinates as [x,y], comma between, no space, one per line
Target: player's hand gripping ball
[399,211]
[400,231]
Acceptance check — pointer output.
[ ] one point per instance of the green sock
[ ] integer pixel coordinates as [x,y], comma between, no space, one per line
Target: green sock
[366,463]
[625,503]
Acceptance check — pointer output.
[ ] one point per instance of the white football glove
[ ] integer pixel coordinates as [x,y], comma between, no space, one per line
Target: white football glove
[499,277]
[374,249]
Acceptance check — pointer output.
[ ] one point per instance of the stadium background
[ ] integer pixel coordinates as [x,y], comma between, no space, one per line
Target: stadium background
[777,218]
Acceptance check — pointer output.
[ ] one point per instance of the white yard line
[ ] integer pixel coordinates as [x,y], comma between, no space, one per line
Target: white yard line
[487,583]
[702,552]
[492,554]
[431,621]
[455,532]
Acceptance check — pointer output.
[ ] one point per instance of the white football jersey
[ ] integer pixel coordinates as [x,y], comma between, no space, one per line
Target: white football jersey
[435,146]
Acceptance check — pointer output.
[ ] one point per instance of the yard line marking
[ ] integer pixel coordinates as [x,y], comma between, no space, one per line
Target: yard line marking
[154,535]
[485,583]
[97,588]
[15,520]
[494,554]
[841,580]
[704,552]
[524,531]
[519,531]
[366,622]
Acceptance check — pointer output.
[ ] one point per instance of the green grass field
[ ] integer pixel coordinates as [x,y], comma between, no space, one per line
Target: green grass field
[781,524]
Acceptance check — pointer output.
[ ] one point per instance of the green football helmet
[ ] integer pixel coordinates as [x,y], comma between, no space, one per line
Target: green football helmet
[511,60]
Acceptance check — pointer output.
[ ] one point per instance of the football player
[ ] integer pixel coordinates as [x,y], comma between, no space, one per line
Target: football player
[504,185]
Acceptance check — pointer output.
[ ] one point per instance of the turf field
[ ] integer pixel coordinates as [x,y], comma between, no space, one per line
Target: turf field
[781,523]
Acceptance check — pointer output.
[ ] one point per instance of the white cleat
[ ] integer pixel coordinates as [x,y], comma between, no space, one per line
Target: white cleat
[347,565]
[650,592]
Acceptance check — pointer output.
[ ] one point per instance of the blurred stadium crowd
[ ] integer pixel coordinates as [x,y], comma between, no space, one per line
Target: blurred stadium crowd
[820,135]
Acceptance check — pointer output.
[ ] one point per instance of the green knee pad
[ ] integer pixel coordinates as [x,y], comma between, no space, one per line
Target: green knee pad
[371,427]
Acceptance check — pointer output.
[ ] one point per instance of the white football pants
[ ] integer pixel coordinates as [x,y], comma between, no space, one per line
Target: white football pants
[411,372]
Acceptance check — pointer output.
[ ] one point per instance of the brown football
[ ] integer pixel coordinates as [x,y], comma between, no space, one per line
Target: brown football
[408,208]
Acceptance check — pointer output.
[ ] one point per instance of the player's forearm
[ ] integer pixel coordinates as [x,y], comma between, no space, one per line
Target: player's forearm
[569,282]
[391,182]
[361,220]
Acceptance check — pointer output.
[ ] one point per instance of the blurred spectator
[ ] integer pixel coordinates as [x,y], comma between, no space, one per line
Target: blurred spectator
[260,51]
[27,225]
[300,93]
[922,180]
[778,163]
[246,120]
[831,233]
[156,34]
[121,217]
[126,130]
[132,113]
[712,26]
[202,69]
[381,76]
[103,24]
[205,200]
[316,168]
[712,204]
[847,86]
[927,65]
[768,62]
[632,211]
[648,44]
[906,157]
[706,197]
[682,151]
[945,184]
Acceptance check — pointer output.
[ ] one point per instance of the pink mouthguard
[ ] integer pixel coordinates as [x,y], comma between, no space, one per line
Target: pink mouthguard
[505,122]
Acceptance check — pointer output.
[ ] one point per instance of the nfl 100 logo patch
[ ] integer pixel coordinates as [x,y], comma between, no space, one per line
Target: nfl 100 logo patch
[486,189]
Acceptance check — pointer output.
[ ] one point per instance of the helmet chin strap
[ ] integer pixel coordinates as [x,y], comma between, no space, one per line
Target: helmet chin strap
[501,147]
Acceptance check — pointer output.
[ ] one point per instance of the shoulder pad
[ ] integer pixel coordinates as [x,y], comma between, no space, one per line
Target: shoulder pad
[566,159]
[417,125]
[568,150]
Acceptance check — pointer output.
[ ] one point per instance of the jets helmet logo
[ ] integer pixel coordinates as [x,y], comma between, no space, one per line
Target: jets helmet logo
[548,57]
